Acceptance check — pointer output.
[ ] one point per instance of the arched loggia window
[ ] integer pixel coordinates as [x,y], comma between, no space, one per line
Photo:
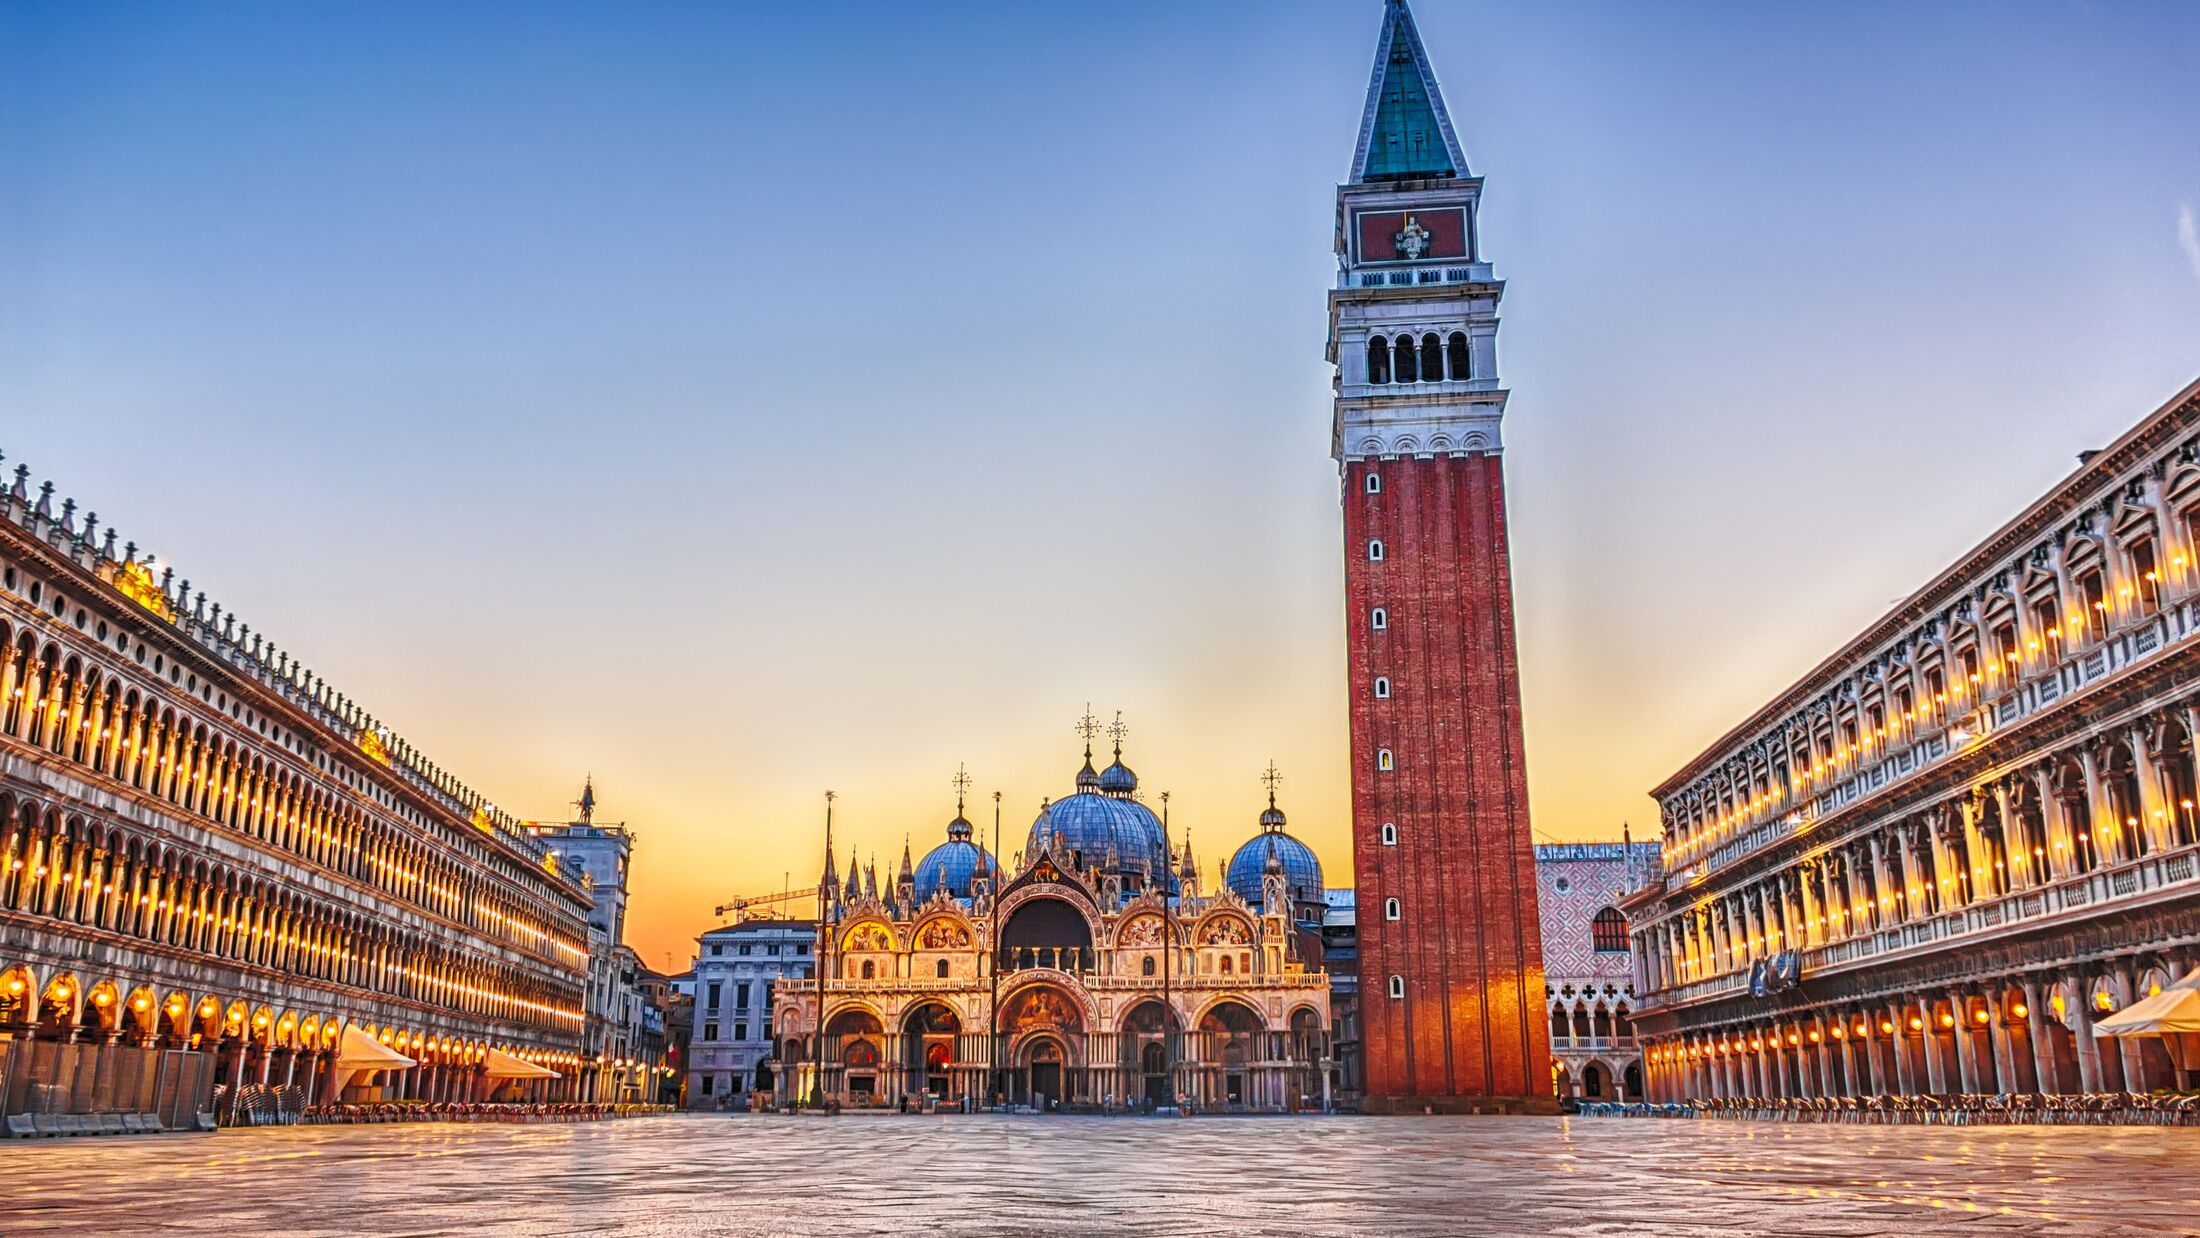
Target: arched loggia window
[1378,359]
[1462,360]
[1404,367]
[1608,932]
[1432,358]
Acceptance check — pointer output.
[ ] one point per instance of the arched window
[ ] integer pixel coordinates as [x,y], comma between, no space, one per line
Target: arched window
[1390,834]
[1145,966]
[1228,964]
[1382,688]
[940,969]
[1397,987]
[1432,359]
[1374,483]
[1375,550]
[1462,359]
[1378,359]
[1608,932]
[1403,366]
[870,970]
[1391,909]
[1382,759]
[1379,619]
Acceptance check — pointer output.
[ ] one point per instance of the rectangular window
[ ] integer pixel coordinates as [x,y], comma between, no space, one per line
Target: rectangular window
[2093,591]
[740,996]
[2005,646]
[712,1004]
[2146,577]
[747,948]
[772,949]
[710,1031]
[740,1031]
[2047,618]
[707,1081]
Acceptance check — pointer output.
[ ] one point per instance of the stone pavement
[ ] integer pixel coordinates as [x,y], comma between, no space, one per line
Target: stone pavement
[1067,1177]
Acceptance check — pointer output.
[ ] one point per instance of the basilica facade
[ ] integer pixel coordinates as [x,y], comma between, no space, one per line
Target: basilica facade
[1091,972]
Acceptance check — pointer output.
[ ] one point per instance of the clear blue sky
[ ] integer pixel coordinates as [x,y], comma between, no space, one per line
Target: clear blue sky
[738,401]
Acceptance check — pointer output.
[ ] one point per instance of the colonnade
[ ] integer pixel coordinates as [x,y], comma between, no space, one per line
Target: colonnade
[2029,1032]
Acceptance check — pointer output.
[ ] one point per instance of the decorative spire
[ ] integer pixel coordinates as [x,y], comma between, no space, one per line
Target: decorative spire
[1405,130]
[906,869]
[854,889]
[1271,821]
[1088,726]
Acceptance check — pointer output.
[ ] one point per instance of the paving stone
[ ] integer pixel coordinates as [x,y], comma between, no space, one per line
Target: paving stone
[989,1177]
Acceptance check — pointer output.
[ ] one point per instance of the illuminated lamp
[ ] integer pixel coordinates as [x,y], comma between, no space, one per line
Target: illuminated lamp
[1980,1016]
[2020,1010]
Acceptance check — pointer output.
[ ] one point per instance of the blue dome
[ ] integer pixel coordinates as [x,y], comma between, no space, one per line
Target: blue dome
[1302,870]
[1118,778]
[952,864]
[1089,823]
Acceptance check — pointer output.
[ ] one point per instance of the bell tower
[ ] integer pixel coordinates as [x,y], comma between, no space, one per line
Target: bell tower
[1451,972]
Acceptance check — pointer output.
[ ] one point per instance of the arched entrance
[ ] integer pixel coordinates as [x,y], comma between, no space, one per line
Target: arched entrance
[1592,1082]
[1045,1028]
[1149,1052]
[928,1047]
[1044,1063]
[852,1042]
[1228,1032]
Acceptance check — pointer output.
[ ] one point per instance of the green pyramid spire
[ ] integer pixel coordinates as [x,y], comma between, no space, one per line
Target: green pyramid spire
[1405,133]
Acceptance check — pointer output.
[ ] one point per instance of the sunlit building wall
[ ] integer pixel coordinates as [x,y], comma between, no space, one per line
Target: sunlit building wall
[1933,862]
[213,864]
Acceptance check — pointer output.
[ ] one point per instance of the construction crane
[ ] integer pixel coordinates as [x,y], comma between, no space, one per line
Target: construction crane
[740,906]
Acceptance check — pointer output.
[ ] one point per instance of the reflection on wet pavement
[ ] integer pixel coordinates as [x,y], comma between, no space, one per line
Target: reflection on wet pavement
[1058,1177]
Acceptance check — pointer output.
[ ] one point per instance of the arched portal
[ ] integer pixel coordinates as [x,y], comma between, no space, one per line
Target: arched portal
[1045,1028]
[1045,1062]
[928,1035]
[1592,1082]
[852,1048]
[1228,1034]
[1150,1050]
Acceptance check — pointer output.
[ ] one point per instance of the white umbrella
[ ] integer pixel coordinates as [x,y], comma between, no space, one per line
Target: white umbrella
[359,1051]
[497,1064]
[2172,1014]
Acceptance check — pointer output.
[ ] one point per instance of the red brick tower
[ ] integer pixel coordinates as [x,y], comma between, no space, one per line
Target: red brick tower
[1451,972]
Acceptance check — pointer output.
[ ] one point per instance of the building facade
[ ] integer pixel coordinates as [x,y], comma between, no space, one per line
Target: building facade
[1089,973]
[213,864]
[1589,973]
[1450,979]
[623,1038]
[733,1056]
[1931,864]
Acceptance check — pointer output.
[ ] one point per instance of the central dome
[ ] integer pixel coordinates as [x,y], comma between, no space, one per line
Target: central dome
[1091,823]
